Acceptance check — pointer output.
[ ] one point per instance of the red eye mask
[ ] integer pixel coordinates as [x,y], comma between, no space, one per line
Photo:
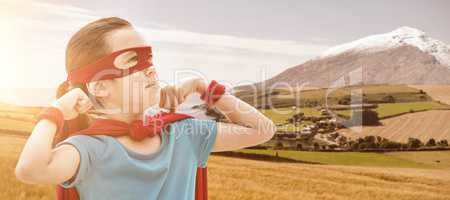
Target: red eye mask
[115,65]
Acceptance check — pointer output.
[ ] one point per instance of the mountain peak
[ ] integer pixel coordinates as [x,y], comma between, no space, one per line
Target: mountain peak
[401,36]
[405,55]
[406,30]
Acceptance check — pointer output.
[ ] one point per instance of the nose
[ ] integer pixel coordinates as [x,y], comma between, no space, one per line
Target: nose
[148,72]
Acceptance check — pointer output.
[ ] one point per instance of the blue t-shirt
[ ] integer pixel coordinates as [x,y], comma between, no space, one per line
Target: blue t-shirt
[108,170]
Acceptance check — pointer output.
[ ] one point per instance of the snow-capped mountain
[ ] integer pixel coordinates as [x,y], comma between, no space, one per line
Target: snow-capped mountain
[403,56]
[399,37]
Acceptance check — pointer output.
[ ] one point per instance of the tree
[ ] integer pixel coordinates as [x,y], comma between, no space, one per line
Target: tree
[365,117]
[370,139]
[344,101]
[299,147]
[414,143]
[360,140]
[386,144]
[378,140]
[431,143]
[316,146]
[389,99]
[404,146]
[279,145]
[342,140]
[296,118]
[363,145]
[354,146]
[333,146]
[443,143]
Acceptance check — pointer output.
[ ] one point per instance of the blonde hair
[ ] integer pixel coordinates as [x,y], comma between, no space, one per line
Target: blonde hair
[86,46]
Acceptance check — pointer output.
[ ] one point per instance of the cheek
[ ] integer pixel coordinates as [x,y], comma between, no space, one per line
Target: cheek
[117,91]
[143,97]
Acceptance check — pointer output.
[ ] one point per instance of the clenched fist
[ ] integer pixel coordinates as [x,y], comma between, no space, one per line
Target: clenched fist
[174,95]
[72,103]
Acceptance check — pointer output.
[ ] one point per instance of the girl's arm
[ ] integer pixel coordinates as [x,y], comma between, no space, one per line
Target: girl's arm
[249,127]
[38,162]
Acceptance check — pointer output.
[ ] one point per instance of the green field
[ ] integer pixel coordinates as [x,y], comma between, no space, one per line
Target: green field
[424,160]
[285,97]
[281,100]
[385,110]
[438,159]
[390,109]
[281,115]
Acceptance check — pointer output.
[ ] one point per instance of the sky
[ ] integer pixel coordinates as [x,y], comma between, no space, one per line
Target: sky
[233,41]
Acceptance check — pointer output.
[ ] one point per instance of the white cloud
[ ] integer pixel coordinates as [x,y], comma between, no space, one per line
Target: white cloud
[226,41]
[40,31]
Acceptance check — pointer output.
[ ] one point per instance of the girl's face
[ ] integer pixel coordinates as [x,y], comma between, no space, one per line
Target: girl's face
[135,92]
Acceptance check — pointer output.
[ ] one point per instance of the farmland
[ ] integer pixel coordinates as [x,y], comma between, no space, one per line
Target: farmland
[287,97]
[421,125]
[386,110]
[418,159]
[336,175]
[438,92]
[235,178]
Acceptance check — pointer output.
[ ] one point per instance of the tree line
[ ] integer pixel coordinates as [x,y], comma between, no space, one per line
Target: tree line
[380,143]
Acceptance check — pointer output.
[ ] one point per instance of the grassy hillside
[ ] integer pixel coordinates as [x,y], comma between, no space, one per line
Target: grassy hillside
[438,159]
[398,159]
[284,97]
[385,110]
[281,115]
[437,92]
[392,100]
[235,179]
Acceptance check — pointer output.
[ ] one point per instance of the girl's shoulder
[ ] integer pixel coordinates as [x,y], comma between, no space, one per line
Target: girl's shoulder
[92,145]
[192,126]
[89,139]
[91,149]
[194,122]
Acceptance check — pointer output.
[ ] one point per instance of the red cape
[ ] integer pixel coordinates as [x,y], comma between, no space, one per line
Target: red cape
[117,128]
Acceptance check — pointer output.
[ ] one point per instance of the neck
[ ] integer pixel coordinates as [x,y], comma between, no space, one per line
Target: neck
[116,114]
[125,117]
[109,112]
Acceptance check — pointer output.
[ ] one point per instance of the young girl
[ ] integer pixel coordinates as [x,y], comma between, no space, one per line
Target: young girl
[159,166]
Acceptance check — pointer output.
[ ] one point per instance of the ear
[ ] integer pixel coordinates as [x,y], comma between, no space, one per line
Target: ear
[97,88]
